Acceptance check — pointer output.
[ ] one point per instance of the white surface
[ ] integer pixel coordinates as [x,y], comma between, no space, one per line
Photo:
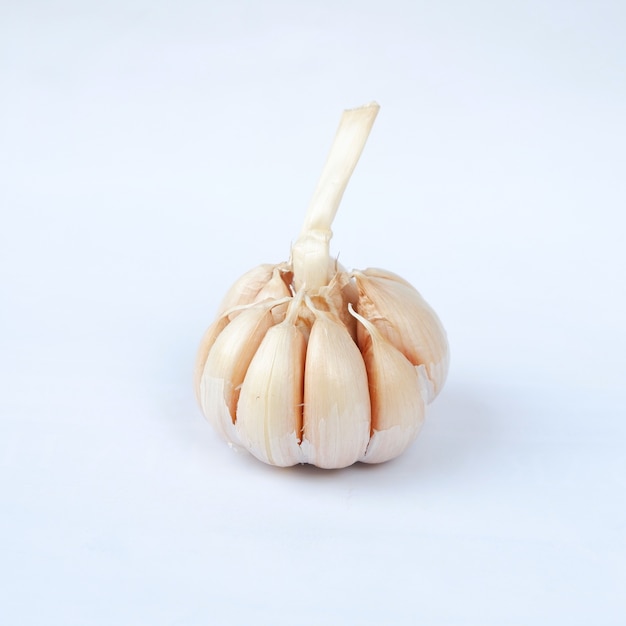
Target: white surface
[152,152]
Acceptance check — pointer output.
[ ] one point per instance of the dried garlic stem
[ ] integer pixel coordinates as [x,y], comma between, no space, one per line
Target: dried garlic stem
[310,254]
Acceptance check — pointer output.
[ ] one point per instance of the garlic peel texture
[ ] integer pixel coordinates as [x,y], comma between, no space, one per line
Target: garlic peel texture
[307,362]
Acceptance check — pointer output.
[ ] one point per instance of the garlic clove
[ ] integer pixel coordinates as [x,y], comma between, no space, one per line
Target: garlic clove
[377,272]
[245,289]
[336,296]
[336,397]
[227,363]
[406,320]
[398,396]
[269,411]
[275,289]
[206,343]
[262,282]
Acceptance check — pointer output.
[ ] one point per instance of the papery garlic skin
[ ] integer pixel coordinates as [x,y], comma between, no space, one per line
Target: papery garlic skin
[307,362]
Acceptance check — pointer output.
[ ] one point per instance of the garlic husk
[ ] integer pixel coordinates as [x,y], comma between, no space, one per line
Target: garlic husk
[269,411]
[405,319]
[227,363]
[336,397]
[397,394]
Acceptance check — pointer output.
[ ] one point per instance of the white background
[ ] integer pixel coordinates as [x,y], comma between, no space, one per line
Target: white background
[151,152]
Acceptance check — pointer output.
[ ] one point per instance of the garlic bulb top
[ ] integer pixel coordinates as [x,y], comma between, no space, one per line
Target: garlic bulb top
[309,363]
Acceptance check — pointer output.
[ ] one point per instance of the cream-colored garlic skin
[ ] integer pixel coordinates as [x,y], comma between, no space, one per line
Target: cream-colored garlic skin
[307,362]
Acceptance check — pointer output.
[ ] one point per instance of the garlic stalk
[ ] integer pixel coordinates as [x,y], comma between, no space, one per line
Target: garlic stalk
[309,363]
[310,254]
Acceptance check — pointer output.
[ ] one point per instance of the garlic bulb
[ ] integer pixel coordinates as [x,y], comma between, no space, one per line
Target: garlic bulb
[307,362]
